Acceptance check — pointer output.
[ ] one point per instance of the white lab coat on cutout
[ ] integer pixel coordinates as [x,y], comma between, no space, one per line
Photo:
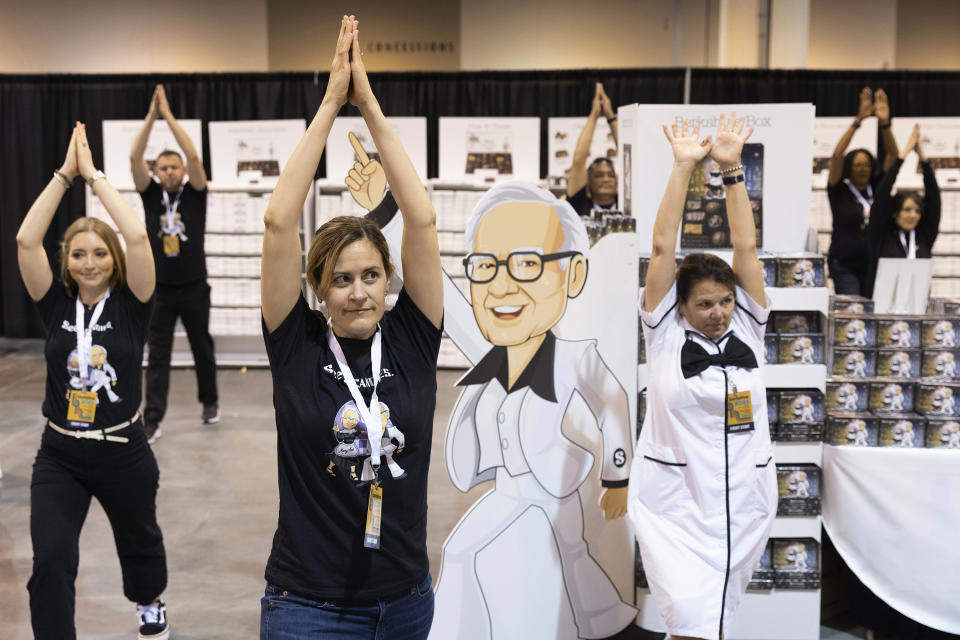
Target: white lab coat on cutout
[680,481]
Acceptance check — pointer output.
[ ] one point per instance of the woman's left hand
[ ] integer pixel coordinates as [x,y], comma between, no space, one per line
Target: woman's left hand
[729,142]
[361,95]
[84,156]
[881,107]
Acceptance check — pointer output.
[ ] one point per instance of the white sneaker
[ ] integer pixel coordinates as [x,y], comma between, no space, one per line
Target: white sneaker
[153,621]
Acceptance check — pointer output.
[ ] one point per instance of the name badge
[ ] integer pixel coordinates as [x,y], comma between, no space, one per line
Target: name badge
[371,535]
[81,405]
[171,246]
[739,412]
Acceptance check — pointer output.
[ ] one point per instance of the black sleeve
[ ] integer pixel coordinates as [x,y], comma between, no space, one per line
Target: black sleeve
[384,212]
[844,218]
[51,302]
[580,202]
[152,188]
[139,311]
[930,220]
[424,338]
[287,339]
[881,211]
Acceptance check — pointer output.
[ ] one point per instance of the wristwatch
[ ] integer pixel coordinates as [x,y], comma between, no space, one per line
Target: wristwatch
[97,176]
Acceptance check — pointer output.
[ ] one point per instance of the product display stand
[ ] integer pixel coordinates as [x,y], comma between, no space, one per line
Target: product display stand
[233,243]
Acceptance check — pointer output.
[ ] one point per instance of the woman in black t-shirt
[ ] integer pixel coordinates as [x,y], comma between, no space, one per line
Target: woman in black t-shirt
[354,392]
[95,315]
[904,225]
[852,180]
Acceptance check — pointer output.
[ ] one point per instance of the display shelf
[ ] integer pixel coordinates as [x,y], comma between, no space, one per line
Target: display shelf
[795,376]
[798,298]
[797,452]
[796,527]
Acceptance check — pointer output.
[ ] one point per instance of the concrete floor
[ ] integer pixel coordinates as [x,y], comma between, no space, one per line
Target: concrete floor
[217,507]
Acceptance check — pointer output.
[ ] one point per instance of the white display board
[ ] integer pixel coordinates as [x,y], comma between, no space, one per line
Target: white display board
[412,132]
[487,150]
[777,162]
[247,153]
[940,140]
[826,133]
[562,136]
[118,137]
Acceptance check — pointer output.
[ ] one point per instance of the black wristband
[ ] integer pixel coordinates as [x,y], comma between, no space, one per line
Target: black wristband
[885,126]
[856,124]
[731,180]
[611,120]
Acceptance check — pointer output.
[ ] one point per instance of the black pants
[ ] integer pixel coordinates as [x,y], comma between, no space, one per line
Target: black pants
[192,304]
[123,477]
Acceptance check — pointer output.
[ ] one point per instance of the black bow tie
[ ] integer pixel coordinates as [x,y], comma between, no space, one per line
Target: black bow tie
[694,359]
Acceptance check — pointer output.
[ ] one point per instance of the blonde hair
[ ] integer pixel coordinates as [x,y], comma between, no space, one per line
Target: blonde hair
[329,241]
[119,276]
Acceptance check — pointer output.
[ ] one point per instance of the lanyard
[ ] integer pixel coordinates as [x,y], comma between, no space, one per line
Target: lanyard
[910,248]
[371,414]
[85,336]
[171,209]
[864,202]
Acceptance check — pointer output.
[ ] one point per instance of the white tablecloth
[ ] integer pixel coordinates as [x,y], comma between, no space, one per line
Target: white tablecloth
[894,517]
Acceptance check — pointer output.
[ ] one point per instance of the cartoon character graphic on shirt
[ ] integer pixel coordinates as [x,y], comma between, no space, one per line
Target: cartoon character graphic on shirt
[943,334]
[798,484]
[100,374]
[353,443]
[945,365]
[903,433]
[892,396]
[527,259]
[173,226]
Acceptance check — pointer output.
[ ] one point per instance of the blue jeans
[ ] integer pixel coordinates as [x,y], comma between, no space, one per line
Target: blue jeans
[284,616]
[845,281]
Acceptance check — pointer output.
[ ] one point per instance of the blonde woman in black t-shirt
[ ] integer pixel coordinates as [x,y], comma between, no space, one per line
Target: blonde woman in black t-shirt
[95,315]
[354,392]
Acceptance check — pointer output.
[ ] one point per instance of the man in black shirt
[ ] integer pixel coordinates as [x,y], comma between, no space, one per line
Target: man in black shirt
[594,188]
[175,215]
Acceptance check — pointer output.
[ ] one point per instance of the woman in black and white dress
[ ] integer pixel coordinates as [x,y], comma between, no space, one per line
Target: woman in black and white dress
[703,486]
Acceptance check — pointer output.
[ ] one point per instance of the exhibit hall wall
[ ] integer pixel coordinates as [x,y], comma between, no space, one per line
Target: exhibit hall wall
[118,36]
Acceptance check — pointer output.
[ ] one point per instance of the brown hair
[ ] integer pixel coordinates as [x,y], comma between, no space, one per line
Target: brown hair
[703,266]
[119,276]
[329,241]
[170,152]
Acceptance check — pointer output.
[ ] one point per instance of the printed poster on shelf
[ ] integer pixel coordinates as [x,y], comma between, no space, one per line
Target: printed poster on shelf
[251,153]
[118,137]
[562,136]
[776,159]
[940,140]
[340,154]
[488,150]
[827,131]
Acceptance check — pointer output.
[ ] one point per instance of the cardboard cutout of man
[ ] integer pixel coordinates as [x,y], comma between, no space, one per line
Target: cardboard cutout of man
[527,260]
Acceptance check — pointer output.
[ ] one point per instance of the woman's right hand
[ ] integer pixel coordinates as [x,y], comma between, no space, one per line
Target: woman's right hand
[866,104]
[688,149]
[84,155]
[338,86]
[69,168]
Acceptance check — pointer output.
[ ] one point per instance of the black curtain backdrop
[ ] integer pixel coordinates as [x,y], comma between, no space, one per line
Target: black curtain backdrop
[37,112]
